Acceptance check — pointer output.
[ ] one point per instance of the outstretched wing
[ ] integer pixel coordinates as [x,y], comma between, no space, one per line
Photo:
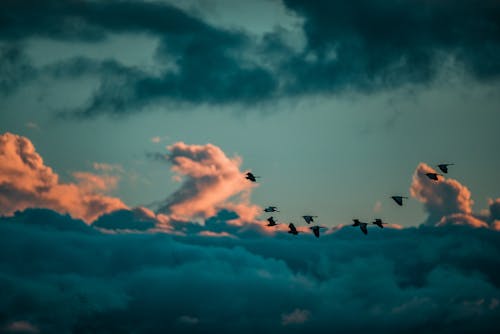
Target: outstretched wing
[292,228]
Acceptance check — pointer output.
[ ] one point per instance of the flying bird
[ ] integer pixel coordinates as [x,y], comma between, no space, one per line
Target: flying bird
[292,228]
[444,167]
[309,219]
[271,209]
[399,199]
[251,177]
[361,225]
[379,223]
[315,230]
[271,221]
[433,176]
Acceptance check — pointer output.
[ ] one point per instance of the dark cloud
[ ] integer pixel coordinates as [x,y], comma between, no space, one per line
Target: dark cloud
[370,45]
[126,220]
[15,68]
[363,46]
[439,279]
[208,68]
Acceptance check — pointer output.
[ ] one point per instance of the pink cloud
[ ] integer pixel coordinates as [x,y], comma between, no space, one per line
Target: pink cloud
[21,327]
[211,181]
[441,198]
[25,181]
[216,234]
[448,202]
[462,219]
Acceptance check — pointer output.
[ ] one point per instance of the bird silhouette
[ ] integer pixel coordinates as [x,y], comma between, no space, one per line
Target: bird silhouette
[316,229]
[361,225]
[251,177]
[399,199]
[444,167]
[379,223]
[271,209]
[309,219]
[292,228]
[433,176]
[271,221]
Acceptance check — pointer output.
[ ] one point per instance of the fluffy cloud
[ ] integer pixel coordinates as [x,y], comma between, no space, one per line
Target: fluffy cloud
[446,280]
[211,182]
[25,181]
[448,202]
[440,198]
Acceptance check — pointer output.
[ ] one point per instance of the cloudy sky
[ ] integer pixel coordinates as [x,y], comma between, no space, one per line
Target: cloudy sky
[126,128]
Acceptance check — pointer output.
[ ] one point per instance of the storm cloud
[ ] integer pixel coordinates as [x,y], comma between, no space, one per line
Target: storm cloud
[415,280]
[364,46]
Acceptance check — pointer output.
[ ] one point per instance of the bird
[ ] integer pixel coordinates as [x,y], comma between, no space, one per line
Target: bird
[433,176]
[251,177]
[271,221]
[309,219]
[444,167]
[292,228]
[399,199]
[271,209]
[379,223]
[361,225]
[315,230]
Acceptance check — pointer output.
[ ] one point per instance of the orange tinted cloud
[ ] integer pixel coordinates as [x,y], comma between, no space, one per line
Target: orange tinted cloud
[25,181]
[441,198]
[448,202]
[211,181]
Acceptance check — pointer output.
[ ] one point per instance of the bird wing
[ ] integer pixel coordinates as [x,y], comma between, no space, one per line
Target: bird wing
[292,228]
[316,231]
[398,199]
[363,228]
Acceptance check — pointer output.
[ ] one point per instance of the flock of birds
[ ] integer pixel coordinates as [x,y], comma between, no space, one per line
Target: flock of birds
[356,222]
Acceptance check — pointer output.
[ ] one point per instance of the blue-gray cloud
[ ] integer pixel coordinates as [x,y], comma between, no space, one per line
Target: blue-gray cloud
[439,279]
[365,46]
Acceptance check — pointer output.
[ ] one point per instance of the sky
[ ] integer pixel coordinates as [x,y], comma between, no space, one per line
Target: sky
[126,128]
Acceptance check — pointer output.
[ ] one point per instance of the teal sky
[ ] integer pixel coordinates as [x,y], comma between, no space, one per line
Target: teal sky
[337,153]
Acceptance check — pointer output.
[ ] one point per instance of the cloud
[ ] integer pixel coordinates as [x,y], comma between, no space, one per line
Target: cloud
[369,45]
[297,316]
[212,186]
[448,202]
[446,280]
[441,198]
[362,46]
[25,181]
[21,327]
[211,182]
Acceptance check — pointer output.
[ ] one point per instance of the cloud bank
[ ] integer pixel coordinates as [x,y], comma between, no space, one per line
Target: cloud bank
[212,184]
[364,46]
[440,279]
